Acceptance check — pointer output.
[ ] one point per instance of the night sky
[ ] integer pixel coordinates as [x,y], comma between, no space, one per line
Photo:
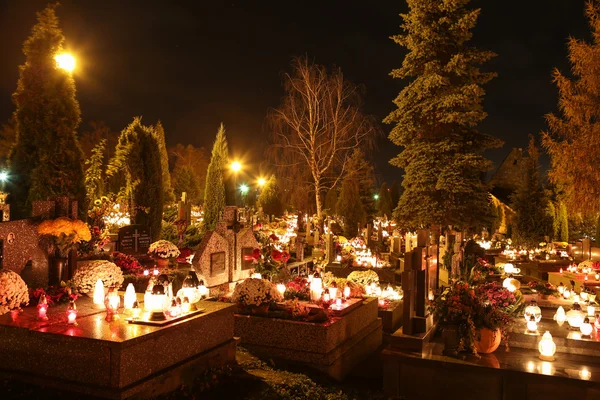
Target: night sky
[194,64]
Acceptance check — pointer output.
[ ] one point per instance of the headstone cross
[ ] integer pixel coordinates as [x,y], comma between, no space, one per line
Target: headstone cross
[135,236]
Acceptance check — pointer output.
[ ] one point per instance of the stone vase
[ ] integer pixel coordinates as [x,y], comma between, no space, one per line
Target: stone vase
[489,340]
[58,268]
[451,339]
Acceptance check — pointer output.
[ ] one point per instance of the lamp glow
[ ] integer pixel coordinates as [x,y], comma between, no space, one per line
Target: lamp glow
[585,374]
[129,297]
[65,61]
[333,290]
[591,310]
[586,327]
[560,317]
[135,310]
[533,310]
[4,178]
[547,347]
[532,325]
[566,293]
[256,275]
[261,182]
[42,308]
[236,166]
[316,287]
[72,313]
[575,316]
[560,288]
[244,188]
[347,291]
[99,294]
[281,288]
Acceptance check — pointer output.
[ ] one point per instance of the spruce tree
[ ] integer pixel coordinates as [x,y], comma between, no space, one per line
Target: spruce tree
[350,207]
[437,117]
[395,194]
[137,161]
[384,203]
[269,198]
[331,202]
[169,197]
[214,191]
[529,203]
[572,141]
[46,159]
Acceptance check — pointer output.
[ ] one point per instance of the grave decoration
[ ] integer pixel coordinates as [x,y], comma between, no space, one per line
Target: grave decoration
[89,272]
[13,291]
[163,251]
[543,289]
[356,253]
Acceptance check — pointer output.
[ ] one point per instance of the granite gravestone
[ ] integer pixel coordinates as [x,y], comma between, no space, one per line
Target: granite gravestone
[134,239]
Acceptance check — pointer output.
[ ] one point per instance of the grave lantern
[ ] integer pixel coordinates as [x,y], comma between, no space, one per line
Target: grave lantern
[547,347]
[203,290]
[575,316]
[597,322]
[566,293]
[111,302]
[560,288]
[532,324]
[186,307]
[174,310]
[129,297]
[591,310]
[281,288]
[347,291]
[560,317]
[586,327]
[99,294]
[72,313]
[333,290]
[532,310]
[42,308]
[135,310]
[157,302]
[316,287]
[190,287]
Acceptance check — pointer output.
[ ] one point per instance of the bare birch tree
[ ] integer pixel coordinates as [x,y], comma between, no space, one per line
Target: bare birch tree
[316,128]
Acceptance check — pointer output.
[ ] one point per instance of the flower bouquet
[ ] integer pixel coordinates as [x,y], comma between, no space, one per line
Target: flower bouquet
[128,264]
[363,278]
[65,233]
[89,272]
[255,295]
[13,291]
[544,289]
[163,249]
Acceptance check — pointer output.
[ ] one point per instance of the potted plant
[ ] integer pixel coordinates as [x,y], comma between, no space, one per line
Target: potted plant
[163,250]
[65,234]
[255,295]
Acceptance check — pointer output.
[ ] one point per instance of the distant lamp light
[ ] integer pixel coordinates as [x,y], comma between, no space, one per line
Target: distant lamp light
[376,197]
[236,166]
[3,176]
[261,182]
[547,347]
[65,61]
[586,327]
[244,188]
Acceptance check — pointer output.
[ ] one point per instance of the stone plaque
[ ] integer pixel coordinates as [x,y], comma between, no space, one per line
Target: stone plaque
[217,263]
[134,239]
[247,258]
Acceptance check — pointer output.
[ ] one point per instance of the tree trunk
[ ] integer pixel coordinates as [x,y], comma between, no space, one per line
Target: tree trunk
[318,200]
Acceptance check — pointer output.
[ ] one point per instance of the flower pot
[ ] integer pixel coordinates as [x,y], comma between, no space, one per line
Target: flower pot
[58,267]
[489,340]
[451,339]
[162,263]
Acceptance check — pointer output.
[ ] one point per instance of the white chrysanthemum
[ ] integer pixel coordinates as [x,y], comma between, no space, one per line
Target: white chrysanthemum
[13,291]
[164,249]
[364,278]
[89,272]
[255,292]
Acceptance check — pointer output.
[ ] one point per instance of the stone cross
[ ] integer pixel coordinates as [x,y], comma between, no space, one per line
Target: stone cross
[135,236]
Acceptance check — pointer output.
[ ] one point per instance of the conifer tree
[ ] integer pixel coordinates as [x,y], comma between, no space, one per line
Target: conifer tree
[572,141]
[395,194]
[350,206]
[185,180]
[529,203]
[94,175]
[269,198]
[137,161]
[214,192]
[363,173]
[384,203]
[437,116]
[169,197]
[46,160]
[331,202]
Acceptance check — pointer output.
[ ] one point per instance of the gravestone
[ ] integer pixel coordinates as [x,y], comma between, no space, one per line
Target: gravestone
[329,249]
[211,259]
[299,248]
[134,239]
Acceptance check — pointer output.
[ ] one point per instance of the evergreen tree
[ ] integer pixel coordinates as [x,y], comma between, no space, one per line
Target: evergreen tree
[552,220]
[137,160]
[437,116]
[94,177]
[214,192]
[185,180]
[331,202]
[395,194]
[46,159]
[384,203]
[563,218]
[169,197]
[529,203]
[350,207]
[362,171]
[269,198]
[8,136]
[572,141]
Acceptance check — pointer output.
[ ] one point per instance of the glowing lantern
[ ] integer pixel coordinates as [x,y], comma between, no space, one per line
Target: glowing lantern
[129,297]
[333,290]
[586,327]
[281,288]
[316,287]
[190,287]
[155,272]
[326,298]
[347,291]
[561,271]
[146,272]
[585,374]
[42,308]
[532,324]
[597,277]
[338,302]
[534,311]
[511,284]
[567,293]
[575,316]
[114,299]
[597,323]
[157,303]
[547,347]
[99,294]
[135,310]
[72,313]
[576,298]
[560,288]
[560,317]
[591,310]
[186,307]
[510,269]
[174,310]
[584,295]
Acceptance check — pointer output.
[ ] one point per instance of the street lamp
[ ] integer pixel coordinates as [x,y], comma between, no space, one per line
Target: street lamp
[3,176]
[261,182]
[244,190]
[65,61]
[376,196]
[236,166]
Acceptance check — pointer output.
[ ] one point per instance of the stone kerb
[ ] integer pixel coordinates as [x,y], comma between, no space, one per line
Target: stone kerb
[211,244]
